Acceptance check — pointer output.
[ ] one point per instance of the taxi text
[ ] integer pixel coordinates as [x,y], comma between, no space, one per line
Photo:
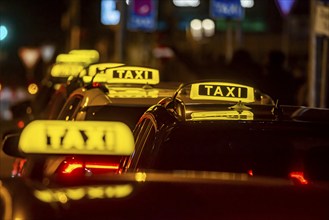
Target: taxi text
[132,74]
[222,91]
[87,139]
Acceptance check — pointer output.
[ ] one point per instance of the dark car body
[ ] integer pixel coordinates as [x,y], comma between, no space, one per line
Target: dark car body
[231,136]
[180,195]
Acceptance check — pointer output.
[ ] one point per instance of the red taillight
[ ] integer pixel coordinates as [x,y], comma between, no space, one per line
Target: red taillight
[86,166]
[96,84]
[70,167]
[20,124]
[298,176]
[18,167]
[102,166]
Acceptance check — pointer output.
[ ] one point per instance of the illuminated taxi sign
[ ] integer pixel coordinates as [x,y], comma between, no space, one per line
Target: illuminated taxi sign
[132,93]
[222,91]
[98,68]
[93,54]
[64,195]
[66,69]
[129,74]
[76,137]
[222,115]
[75,58]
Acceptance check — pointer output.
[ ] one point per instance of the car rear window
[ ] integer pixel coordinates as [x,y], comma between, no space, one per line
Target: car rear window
[268,150]
[128,114]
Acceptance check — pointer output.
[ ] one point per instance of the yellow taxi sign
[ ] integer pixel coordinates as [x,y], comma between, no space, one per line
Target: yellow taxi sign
[129,74]
[222,115]
[75,58]
[66,69]
[91,53]
[76,137]
[222,91]
[98,68]
[67,194]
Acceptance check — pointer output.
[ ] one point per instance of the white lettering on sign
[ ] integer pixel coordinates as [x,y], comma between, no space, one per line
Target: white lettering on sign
[322,20]
[143,22]
[228,9]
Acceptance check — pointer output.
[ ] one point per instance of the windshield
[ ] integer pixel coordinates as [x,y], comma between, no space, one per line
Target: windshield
[129,114]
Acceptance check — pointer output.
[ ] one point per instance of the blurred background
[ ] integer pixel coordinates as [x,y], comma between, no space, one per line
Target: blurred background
[276,44]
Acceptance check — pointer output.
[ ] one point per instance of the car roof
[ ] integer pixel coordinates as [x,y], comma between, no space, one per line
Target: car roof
[125,94]
[224,100]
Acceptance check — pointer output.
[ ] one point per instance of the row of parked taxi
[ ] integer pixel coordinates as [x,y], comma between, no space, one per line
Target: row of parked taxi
[110,141]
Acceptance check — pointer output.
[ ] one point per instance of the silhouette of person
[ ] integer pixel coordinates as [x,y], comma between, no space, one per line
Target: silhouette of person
[278,82]
[244,69]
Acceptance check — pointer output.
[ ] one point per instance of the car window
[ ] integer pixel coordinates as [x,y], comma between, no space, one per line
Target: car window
[209,147]
[144,136]
[70,108]
[127,114]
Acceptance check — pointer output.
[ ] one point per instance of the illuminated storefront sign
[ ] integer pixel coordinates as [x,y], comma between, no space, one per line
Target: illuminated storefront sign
[142,15]
[226,9]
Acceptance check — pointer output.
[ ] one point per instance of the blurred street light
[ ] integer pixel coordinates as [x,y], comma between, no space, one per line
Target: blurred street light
[110,15]
[200,29]
[3,32]
[247,3]
[47,52]
[285,6]
[186,3]
[29,56]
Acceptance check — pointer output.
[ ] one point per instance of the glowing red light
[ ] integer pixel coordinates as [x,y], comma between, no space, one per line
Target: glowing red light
[20,124]
[70,167]
[96,84]
[250,173]
[103,166]
[298,176]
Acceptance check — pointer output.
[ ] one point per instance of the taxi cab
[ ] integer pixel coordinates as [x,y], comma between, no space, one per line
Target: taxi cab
[50,96]
[231,127]
[92,146]
[54,82]
[118,92]
[107,96]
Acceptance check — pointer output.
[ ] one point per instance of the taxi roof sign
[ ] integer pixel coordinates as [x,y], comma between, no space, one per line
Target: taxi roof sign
[75,58]
[222,91]
[91,53]
[66,69]
[128,74]
[98,68]
[76,137]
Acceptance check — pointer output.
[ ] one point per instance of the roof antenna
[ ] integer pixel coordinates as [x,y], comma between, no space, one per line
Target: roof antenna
[277,110]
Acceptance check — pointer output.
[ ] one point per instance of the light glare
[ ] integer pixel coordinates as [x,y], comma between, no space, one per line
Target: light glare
[208,26]
[247,3]
[33,88]
[3,32]
[186,3]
